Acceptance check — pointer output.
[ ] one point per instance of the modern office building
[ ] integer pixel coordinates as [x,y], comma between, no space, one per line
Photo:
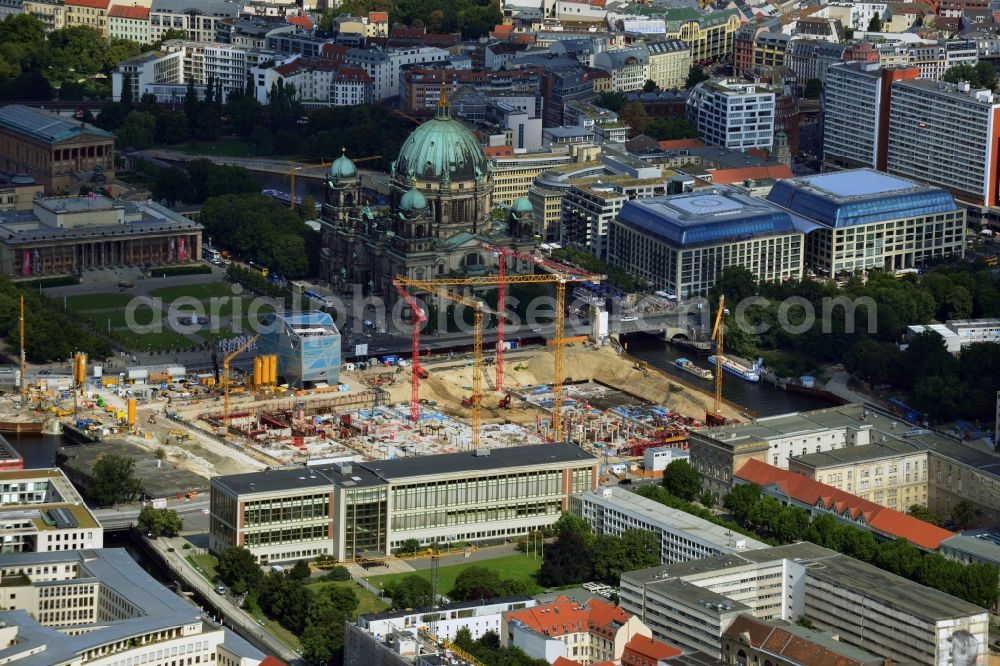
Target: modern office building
[709,35]
[420,88]
[864,219]
[682,243]
[946,135]
[817,499]
[733,114]
[52,150]
[65,235]
[682,536]
[359,510]
[960,333]
[589,208]
[307,345]
[100,608]
[973,547]
[41,512]
[693,603]
[513,174]
[856,113]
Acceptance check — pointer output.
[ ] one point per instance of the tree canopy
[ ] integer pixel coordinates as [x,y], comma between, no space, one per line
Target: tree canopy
[682,480]
[477,582]
[238,569]
[980,75]
[113,481]
[156,522]
[411,592]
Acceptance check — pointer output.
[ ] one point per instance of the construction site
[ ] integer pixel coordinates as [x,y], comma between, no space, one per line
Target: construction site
[205,424]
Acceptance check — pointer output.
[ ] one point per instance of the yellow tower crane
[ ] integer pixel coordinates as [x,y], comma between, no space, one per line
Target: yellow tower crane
[718,333]
[225,378]
[560,280]
[478,308]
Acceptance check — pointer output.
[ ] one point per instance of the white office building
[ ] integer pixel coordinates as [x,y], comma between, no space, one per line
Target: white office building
[682,536]
[41,511]
[479,617]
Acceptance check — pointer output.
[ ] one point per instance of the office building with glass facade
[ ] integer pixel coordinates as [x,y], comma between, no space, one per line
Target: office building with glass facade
[364,510]
[863,219]
[682,243]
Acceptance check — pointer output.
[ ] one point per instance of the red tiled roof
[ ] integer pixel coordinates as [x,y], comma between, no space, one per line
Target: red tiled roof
[565,616]
[501,31]
[738,175]
[93,4]
[645,648]
[675,144]
[272,661]
[810,492]
[378,17]
[498,151]
[125,11]
[777,641]
[563,661]
[302,21]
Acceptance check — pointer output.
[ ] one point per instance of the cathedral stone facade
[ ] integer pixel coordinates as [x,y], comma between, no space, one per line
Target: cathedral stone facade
[440,213]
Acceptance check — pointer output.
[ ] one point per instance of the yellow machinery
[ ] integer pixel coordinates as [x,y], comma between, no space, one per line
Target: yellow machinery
[80,369]
[478,308]
[225,378]
[130,414]
[560,280]
[258,371]
[718,333]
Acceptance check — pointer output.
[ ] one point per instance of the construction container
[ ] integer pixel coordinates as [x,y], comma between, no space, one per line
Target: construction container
[258,371]
[131,411]
[109,381]
[80,369]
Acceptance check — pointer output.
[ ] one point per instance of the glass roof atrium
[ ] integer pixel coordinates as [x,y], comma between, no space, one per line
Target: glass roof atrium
[860,196]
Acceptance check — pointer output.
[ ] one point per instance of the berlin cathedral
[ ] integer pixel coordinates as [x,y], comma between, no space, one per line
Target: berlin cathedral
[440,212]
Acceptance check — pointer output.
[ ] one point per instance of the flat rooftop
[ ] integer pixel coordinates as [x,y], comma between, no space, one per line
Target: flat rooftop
[672,520]
[980,543]
[707,217]
[46,126]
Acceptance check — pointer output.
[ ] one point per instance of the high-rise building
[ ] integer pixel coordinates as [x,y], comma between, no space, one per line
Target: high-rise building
[856,113]
[733,114]
[946,135]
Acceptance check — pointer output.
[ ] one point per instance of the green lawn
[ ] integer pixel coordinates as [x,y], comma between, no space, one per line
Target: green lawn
[205,564]
[165,340]
[199,291]
[143,316]
[512,567]
[225,147]
[367,602]
[86,302]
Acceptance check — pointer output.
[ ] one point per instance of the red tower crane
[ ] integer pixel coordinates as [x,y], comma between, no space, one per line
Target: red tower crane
[502,254]
[415,370]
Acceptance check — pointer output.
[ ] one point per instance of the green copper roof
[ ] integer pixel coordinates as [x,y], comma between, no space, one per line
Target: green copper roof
[413,200]
[521,205]
[442,149]
[343,167]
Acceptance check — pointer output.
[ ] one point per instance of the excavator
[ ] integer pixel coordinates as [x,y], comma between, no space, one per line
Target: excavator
[504,402]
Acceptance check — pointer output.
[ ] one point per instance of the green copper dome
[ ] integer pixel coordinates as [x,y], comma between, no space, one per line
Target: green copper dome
[413,200]
[442,149]
[343,167]
[521,205]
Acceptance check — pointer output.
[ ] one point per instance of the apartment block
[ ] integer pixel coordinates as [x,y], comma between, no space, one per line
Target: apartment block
[50,12]
[129,22]
[856,113]
[628,67]
[479,617]
[90,13]
[420,88]
[692,604]
[99,607]
[709,36]
[946,135]
[318,82]
[200,19]
[362,510]
[386,66]
[669,63]
[682,536]
[682,243]
[752,641]
[733,114]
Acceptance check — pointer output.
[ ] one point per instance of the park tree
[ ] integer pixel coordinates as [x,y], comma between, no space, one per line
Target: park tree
[613,101]
[477,582]
[634,115]
[191,104]
[408,547]
[171,127]
[156,522]
[172,185]
[284,599]
[238,569]
[650,86]
[740,500]
[695,76]
[813,89]
[612,555]
[963,514]
[921,512]
[411,592]
[875,25]
[113,481]
[736,282]
[981,75]
[567,560]
[300,571]
[138,130]
[682,480]
[875,362]
[669,129]
[319,642]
